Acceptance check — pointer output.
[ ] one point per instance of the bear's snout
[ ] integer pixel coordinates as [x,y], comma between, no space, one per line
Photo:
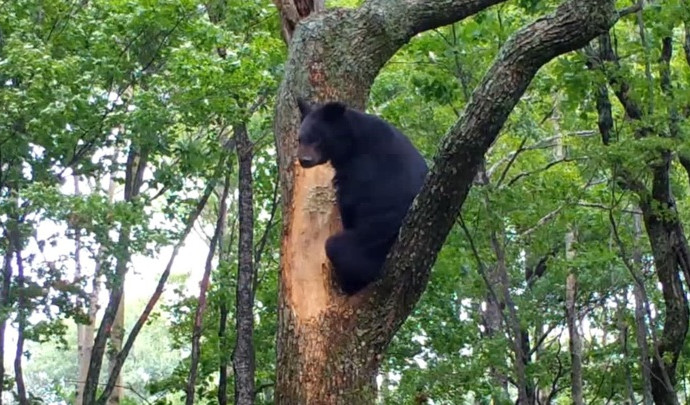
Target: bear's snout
[306,161]
[308,156]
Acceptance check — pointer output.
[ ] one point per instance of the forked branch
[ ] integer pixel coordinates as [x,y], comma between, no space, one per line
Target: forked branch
[406,273]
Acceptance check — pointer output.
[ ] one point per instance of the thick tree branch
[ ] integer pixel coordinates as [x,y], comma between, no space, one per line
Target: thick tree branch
[404,19]
[431,217]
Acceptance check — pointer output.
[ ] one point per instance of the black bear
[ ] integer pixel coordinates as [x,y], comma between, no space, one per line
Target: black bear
[378,173]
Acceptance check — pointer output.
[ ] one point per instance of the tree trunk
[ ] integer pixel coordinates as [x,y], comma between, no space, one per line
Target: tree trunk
[22,315]
[498,286]
[146,313]
[623,335]
[575,340]
[4,302]
[243,354]
[661,235]
[641,304]
[197,328]
[85,333]
[134,172]
[330,347]
[117,333]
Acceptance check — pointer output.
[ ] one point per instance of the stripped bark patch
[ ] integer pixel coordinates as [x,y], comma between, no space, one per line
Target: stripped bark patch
[320,199]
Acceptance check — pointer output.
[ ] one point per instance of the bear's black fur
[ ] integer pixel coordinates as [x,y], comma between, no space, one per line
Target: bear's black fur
[378,173]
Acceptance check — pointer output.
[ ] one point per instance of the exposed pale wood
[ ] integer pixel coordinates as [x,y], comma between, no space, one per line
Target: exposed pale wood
[314,218]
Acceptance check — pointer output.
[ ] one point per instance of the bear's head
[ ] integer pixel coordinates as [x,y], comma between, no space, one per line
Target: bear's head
[324,133]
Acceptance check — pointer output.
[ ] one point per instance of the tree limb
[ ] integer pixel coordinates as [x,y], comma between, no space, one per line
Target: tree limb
[433,213]
[404,19]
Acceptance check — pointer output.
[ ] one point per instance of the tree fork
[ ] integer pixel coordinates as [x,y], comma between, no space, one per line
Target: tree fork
[330,346]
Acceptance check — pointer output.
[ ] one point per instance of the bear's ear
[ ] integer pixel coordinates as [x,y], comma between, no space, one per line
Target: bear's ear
[333,110]
[304,107]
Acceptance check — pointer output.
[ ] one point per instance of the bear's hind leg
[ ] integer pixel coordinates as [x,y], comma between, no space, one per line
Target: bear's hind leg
[354,270]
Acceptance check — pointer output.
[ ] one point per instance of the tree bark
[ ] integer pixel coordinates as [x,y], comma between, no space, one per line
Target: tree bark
[4,303]
[661,234]
[575,340]
[86,334]
[330,347]
[243,362]
[117,333]
[640,322]
[22,315]
[623,335]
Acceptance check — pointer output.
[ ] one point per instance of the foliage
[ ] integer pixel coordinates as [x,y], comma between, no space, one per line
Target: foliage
[83,85]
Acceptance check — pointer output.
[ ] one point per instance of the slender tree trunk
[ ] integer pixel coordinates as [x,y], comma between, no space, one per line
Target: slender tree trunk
[85,338]
[11,249]
[498,278]
[86,333]
[572,320]
[83,355]
[223,368]
[225,351]
[513,325]
[134,172]
[243,354]
[640,322]
[201,306]
[575,340]
[329,346]
[4,302]
[22,311]
[623,335]
[117,334]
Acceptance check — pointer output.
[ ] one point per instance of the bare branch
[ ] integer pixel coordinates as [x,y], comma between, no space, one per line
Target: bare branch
[542,169]
[605,207]
[543,220]
[510,162]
